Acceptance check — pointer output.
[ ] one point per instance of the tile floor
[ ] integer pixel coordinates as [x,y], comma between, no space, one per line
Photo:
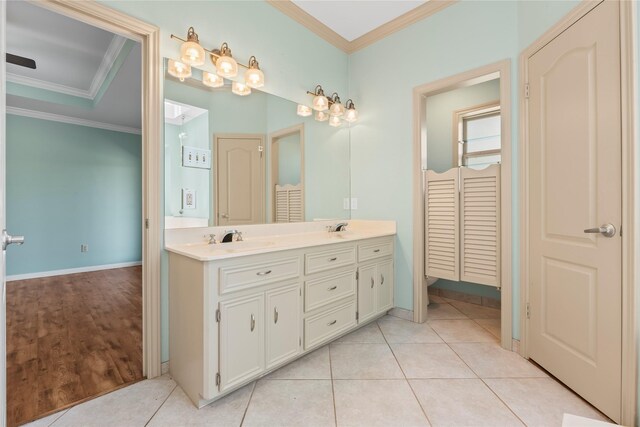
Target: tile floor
[449,371]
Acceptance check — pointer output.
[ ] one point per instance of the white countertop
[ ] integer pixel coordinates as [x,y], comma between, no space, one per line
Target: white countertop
[193,244]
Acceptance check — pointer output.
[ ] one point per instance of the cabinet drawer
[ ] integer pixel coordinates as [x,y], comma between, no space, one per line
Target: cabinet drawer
[368,251]
[324,326]
[326,260]
[328,289]
[235,278]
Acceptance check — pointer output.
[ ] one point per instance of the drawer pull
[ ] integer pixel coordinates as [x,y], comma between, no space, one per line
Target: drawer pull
[382,279]
[275,315]
[253,322]
[332,323]
[371,282]
[333,288]
[376,250]
[263,273]
[333,259]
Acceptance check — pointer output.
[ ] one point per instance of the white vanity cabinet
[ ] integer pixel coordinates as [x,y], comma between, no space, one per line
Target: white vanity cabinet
[235,319]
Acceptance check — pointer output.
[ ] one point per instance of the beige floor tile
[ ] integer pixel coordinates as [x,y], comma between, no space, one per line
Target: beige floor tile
[367,334]
[178,410]
[491,325]
[492,361]
[475,311]
[462,402]
[430,361]
[373,403]
[46,421]
[313,366]
[443,311]
[402,331]
[461,331]
[130,406]
[291,403]
[363,361]
[541,401]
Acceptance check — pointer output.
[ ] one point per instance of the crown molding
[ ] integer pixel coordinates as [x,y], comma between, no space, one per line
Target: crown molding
[70,120]
[421,12]
[53,87]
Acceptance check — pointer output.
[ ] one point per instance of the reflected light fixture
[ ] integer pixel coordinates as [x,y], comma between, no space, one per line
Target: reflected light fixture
[226,66]
[179,69]
[351,114]
[335,121]
[304,111]
[212,80]
[191,53]
[322,116]
[254,77]
[320,102]
[336,109]
[240,89]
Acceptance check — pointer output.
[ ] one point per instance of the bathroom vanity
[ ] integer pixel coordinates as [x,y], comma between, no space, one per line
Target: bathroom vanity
[240,310]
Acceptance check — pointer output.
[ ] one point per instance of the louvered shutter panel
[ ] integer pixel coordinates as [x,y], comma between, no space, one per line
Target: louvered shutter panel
[289,203]
[442,225]
[480,225]
[295,204]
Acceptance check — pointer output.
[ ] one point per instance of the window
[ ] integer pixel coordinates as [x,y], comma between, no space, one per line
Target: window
[477,143]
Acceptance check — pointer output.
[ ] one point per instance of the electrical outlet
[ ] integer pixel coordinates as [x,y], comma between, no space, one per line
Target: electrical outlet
[354,203]
[84,248]
[345,204]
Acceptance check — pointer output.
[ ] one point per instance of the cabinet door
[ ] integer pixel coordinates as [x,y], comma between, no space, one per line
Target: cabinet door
[241,339]
[283,324]
[366,292]
[384,285]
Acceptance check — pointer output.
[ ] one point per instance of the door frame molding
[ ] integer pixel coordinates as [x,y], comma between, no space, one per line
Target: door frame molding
[274,138]
[630,198]
[477,75]
[93,13]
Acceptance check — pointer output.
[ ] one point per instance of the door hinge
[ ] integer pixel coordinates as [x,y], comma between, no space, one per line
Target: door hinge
[218,315]
[357,275]
[357,315]
[146,223]
[526,90]
[218,379]
[261,150]
[528,311]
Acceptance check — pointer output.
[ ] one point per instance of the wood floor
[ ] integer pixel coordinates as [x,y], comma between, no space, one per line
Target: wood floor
[70,338]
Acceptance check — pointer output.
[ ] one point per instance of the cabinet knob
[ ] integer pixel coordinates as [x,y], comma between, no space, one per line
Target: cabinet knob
[332,323]
[263,273]
[253,322]
[382,279]
[372,282]
[275,315]
[333,288]
[333,259]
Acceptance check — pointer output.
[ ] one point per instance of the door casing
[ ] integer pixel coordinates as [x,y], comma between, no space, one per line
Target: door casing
[630,196]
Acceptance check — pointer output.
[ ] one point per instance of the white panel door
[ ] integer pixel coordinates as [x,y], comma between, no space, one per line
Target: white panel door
[366,292]
[240,180]
[575,184]
[283,324]
[384,297]
[241,339]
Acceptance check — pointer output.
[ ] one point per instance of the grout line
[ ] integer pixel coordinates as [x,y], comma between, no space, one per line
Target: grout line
[333,389]
[246,409]
[404,375]
[63,412]
[162,404]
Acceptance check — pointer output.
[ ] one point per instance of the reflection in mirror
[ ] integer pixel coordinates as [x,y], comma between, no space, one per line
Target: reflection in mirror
[234,160]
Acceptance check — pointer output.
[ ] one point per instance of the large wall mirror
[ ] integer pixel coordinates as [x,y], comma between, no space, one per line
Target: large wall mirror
[236,160]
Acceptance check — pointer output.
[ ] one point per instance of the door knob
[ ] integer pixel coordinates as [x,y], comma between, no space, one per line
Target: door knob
[607,230]
[10,240]
[225,216]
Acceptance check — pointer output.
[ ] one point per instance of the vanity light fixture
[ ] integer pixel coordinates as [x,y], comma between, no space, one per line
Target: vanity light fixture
[304,111]
[254,77]
[226,66]
[320,102]
[351,114]
[322,116]
[191,53]
[179,69]
[240,89]
[212,80]
[335,121]
[336,109]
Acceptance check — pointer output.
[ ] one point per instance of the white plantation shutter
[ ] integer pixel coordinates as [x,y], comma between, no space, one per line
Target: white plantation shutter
[480,225]
[289,203]
[442,225]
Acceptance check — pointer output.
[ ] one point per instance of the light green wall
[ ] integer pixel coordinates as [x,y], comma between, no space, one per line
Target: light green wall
[289,160]
[69,185]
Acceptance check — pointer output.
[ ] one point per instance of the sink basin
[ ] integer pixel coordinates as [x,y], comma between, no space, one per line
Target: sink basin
[246,245]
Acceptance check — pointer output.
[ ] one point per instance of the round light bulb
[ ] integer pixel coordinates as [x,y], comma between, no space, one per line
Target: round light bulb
[240,89]
[322,116]
[191,53]
[303,110]
[320,103]
[226,67]
[335,121]
[212,80]
[254,78]
[179,69]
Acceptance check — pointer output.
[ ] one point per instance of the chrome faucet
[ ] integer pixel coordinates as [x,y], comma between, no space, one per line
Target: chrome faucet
[228,236]
[212,239]
[341,226]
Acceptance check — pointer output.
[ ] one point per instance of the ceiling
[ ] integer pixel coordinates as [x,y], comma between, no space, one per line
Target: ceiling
[177,113]
[73,59]
[352,19]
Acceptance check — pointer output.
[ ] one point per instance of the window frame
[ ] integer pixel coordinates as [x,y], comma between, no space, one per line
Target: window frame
[486,109]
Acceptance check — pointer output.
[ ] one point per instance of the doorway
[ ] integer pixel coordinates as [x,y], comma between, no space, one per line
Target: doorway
[286,187]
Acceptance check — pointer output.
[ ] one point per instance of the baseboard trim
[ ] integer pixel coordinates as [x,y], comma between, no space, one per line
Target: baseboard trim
[164,368]
[41,274]
[401,313]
